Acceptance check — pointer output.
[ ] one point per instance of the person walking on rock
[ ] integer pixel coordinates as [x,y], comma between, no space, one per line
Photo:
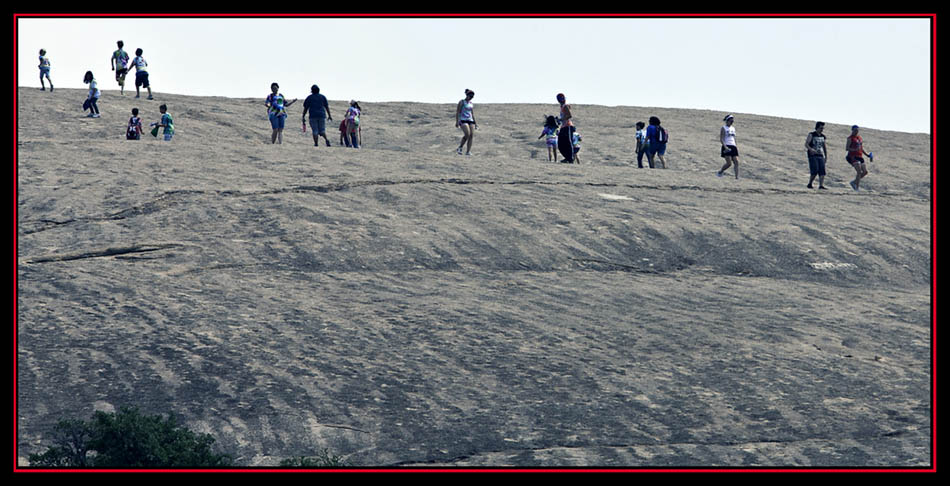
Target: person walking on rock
[729,150]
[565,137]
[119,62]
[92,97]
[817,155]
[141,74]
[319,110]
[44,71]
[657,137]
[855,157]
[465,119]
[277,113]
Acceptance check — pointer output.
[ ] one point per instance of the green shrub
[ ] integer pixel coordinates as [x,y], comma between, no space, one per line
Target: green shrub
[322,460]
[128,439]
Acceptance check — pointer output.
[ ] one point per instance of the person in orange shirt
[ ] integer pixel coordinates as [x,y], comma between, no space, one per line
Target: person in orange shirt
[855,157]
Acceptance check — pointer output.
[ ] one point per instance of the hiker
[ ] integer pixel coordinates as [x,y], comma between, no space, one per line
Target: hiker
[44,71]
[465,119]
[565,137]
[166,122]
[855,157]
[277,112]
[641,137]
[549,133]
[354,133]
[656,142]
[817,155]
[729,151]
[141,74]
[92,97]
[119,62]
[134,130]
[319,110]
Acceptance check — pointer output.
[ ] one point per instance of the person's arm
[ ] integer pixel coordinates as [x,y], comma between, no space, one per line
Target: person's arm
[112,62]
[458,112]
[722,136]
[808,144]
[326,108]
[306,107]
[292,102]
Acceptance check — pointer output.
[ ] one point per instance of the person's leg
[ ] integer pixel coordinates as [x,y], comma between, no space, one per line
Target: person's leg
[466,131]
[42,83]
[735,165]
[94,106]
[471,136]
[662,160]
[650,155]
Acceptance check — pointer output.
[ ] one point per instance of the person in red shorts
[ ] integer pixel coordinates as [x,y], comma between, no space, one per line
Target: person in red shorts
[855,157]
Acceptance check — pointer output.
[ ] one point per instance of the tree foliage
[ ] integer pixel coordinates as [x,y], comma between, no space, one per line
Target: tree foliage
[128,439]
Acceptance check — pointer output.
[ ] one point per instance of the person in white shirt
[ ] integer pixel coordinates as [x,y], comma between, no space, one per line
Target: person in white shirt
[641,137]
[729,151]
[92,97]
[141,74]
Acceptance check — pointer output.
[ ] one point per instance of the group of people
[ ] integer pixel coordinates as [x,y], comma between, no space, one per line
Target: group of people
[319,108]
[559,132]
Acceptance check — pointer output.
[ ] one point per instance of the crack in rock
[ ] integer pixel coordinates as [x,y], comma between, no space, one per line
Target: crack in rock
[106,252]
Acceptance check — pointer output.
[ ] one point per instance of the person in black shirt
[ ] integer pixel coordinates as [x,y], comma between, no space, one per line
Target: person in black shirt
[817,155]
[319,110]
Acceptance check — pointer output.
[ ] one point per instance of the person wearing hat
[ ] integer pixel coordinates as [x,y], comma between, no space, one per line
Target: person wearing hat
[855,157]
[729,151]
[319,110]
[277,112]
[817,155]
[465,119]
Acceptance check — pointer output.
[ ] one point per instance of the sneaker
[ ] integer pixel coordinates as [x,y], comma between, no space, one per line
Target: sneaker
[468,154]
[328,143]
[150,97]
[853,186]
[137,96]
[822,187]
[719,174]
[95,115]
[459,151]
[44,89]
[809,186]
[51,88]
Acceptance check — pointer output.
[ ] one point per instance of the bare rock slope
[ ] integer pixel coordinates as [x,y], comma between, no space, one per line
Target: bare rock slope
[403,305]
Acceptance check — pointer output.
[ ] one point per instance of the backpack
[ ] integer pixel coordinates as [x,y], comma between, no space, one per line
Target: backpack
[662,135]
[134,130]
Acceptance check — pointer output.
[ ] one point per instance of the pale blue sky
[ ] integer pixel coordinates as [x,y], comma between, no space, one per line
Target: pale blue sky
[865,71]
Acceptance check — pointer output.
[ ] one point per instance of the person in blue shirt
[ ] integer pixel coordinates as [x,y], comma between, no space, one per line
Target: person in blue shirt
[655,147]
[319,110]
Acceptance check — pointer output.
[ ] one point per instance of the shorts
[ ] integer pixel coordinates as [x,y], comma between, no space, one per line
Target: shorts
[277,121]
[120,74]
[318,125]
[141,79]
[816,163]
[552,142]
[168,136]
[656,148]
[729,151]
[854,160]
[44,71]
[469,122]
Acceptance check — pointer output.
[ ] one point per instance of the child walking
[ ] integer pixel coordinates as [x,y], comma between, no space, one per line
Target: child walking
[353,124]
[166,122]
[92,97]
[549,133]
[44,71]
[134,129]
